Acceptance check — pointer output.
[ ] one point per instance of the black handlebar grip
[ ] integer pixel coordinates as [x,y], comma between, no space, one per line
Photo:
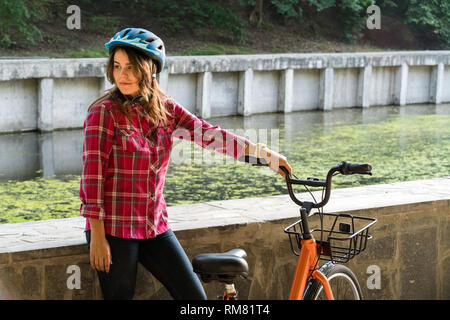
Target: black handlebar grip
[364,168]
[352,168]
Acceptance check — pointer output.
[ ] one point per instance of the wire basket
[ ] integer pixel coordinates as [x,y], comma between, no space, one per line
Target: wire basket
[339,236]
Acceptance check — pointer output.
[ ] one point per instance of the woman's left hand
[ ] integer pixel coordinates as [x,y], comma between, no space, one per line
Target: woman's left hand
[275,161]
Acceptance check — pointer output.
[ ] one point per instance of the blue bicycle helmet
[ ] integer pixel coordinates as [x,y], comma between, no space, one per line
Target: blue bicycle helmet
[142,40]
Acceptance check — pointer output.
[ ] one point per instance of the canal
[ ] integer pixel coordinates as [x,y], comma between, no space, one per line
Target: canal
[39,172]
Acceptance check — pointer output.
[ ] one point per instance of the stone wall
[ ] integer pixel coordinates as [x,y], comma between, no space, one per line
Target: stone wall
[410,245]
[412,249]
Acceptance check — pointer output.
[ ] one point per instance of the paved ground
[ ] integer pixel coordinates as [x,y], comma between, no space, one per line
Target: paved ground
[64,232]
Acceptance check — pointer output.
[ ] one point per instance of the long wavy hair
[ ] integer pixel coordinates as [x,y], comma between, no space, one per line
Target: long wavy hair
[152,97]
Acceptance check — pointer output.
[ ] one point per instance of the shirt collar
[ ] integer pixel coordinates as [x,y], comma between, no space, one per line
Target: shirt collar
[135,99]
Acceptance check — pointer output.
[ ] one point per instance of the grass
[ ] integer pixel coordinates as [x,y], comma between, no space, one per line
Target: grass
[216,49]
[88,52]
[99,51]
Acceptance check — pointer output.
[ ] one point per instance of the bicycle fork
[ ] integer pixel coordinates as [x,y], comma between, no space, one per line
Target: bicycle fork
[307,262]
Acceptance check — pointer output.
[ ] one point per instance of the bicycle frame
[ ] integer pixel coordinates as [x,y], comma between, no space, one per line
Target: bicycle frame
[307,260]
[305,268]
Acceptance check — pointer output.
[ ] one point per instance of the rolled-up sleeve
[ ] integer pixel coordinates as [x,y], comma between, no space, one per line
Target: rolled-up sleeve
[190,127]
[97,145]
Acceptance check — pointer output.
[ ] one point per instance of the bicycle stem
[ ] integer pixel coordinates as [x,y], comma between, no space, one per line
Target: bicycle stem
[306,232]
[311,183]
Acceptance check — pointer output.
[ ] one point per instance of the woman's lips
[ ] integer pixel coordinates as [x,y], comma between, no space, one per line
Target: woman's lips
[124,83]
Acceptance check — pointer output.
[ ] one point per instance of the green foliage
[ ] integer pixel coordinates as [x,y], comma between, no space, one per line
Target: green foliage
[431,15]
[321,4]
[428,15]
[19,19]
[176,16]
[15,18]
[351,12]
[287,8]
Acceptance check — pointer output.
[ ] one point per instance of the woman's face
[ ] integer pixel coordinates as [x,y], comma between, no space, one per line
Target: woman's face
[124,74]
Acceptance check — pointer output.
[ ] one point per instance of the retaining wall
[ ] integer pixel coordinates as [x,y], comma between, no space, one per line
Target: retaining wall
[48,94]
[411,245]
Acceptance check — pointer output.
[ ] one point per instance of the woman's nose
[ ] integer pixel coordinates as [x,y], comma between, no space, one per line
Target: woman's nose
[123,73]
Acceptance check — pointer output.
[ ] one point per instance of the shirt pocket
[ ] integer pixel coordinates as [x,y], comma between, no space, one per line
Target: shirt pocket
[164,145]
[131,141]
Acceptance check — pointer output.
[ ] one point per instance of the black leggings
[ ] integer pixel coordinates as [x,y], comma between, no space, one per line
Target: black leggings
[163,256]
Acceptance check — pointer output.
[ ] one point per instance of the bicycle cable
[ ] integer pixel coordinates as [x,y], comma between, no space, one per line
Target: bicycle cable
[321,224]
[320,212]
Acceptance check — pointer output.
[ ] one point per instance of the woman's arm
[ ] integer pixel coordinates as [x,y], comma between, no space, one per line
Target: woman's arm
[190,127]
[97,145]
[223,141]
[100,251]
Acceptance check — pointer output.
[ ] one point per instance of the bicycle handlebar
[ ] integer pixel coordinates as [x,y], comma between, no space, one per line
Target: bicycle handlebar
[344,167]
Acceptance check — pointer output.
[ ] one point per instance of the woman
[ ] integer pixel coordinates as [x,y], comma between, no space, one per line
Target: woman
[126,150]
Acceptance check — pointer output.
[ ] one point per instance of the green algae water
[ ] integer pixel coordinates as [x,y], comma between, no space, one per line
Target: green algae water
[402,144]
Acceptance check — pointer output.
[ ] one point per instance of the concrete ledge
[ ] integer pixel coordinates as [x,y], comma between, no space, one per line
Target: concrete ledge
[411,236]
[13,69]
[229,63]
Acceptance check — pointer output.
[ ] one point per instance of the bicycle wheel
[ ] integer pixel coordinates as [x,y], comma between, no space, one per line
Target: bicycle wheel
[343,282]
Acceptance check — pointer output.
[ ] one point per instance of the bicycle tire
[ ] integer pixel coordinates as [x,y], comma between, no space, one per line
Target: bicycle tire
[343,282]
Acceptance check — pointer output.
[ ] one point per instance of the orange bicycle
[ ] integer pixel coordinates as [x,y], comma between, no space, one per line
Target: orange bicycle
[338,238]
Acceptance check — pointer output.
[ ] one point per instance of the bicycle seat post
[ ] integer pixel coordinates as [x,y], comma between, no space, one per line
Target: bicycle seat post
[230,292]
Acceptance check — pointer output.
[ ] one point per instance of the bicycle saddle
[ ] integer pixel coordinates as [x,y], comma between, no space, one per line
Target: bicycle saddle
[223,267]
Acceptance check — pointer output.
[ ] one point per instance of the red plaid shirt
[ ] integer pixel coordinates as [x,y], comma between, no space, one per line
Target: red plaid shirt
[124,168]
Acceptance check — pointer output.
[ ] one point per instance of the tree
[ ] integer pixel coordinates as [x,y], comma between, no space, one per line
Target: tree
[430,16]
[257,13]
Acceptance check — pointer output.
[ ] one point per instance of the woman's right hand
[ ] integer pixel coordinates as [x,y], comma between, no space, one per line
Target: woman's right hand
[100,253]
